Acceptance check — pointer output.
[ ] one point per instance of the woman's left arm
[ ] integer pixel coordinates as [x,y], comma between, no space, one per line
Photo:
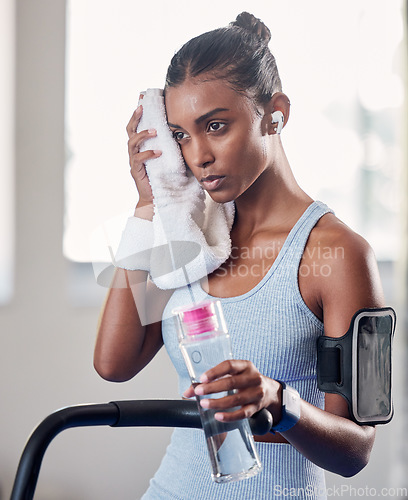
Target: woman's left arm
[328,437]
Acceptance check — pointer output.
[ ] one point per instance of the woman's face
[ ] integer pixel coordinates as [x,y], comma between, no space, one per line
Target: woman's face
[220,135]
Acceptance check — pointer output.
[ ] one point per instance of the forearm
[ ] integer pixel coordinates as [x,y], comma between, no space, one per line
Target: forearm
[122,348]
[327,439]
[334,443]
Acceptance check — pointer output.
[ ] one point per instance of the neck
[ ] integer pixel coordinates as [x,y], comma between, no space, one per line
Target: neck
[274,200]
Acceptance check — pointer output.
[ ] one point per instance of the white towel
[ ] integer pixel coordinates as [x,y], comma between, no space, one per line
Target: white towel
[191,232]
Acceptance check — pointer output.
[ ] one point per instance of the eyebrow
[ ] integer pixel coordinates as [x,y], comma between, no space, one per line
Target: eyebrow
[201,118]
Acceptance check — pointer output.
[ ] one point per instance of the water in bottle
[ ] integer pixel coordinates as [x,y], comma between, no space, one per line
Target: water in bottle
[205,342]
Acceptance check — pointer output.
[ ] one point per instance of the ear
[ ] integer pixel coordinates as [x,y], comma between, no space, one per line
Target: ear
[276,113]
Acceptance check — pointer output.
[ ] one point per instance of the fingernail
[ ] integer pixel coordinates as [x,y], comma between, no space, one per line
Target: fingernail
[205,403]
[139,109]
[204,378]
[219,416]
[199,390]
[157,152]
[152,131]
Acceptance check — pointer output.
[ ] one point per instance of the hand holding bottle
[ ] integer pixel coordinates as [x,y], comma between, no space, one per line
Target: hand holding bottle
[248,389]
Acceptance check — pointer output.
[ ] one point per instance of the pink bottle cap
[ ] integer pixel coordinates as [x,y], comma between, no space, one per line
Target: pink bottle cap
[202,318]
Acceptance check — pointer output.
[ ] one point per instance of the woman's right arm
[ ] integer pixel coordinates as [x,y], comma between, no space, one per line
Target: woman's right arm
[129,329]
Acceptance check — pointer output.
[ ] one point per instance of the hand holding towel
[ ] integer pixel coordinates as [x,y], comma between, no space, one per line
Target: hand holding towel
[190,235]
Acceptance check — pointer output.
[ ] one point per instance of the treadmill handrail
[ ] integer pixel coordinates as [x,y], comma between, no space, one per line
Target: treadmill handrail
[133,413]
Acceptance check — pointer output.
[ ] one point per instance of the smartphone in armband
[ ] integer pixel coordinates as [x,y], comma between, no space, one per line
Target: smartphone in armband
[358,365]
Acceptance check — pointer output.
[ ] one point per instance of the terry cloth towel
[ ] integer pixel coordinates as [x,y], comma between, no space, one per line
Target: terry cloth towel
[190,235]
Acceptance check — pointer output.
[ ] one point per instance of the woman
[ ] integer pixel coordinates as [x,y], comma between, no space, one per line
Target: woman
[295,272]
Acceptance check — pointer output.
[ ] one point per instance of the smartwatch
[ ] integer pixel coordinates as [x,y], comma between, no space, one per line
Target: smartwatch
[290,409]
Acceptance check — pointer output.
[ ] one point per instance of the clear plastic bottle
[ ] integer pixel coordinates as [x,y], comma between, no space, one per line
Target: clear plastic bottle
[205,342]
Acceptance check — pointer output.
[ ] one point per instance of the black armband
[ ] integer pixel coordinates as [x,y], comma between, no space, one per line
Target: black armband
[358,365]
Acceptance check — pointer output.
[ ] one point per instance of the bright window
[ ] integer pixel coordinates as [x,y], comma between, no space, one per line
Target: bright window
[6,149]
[339,64]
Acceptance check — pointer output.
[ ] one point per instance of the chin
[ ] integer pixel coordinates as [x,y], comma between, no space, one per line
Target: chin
[219,197]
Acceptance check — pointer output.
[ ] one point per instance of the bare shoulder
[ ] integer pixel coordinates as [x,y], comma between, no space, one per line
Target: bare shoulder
[348,278]
[336,239]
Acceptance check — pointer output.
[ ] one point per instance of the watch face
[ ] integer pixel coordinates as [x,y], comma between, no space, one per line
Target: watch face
[290,409]
[290,400]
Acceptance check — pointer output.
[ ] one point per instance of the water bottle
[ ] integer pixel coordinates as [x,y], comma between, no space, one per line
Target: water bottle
[205,342]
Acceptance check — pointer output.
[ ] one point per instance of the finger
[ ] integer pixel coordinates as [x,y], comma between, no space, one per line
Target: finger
[239,398]
[138,169]
[247,378]
[225,384]
[136,140]
[134,121]
[228,367]
[231,416]
[138,160]
[189,393]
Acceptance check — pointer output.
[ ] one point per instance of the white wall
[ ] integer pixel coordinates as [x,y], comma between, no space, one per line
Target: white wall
[46,341]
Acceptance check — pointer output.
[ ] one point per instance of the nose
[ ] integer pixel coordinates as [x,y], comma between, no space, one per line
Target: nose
[200,154]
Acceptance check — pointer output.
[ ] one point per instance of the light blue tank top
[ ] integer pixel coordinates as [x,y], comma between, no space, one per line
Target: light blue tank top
[271,326]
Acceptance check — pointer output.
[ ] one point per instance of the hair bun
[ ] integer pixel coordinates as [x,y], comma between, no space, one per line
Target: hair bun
[254,25]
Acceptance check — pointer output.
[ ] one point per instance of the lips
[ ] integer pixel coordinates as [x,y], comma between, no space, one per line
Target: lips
[211,182]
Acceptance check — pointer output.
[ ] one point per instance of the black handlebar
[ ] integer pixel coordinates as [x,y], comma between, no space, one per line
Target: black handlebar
[148,413]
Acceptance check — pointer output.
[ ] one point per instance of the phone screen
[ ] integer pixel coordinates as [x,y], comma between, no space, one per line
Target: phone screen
[374,367]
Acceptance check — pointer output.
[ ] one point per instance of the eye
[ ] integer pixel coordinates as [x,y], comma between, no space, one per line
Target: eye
[215,126]
[179,136]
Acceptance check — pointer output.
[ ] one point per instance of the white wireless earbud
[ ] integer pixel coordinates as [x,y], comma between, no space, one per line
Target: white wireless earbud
[277,117]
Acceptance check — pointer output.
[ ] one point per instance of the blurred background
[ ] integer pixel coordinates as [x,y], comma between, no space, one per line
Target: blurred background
[70,75]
